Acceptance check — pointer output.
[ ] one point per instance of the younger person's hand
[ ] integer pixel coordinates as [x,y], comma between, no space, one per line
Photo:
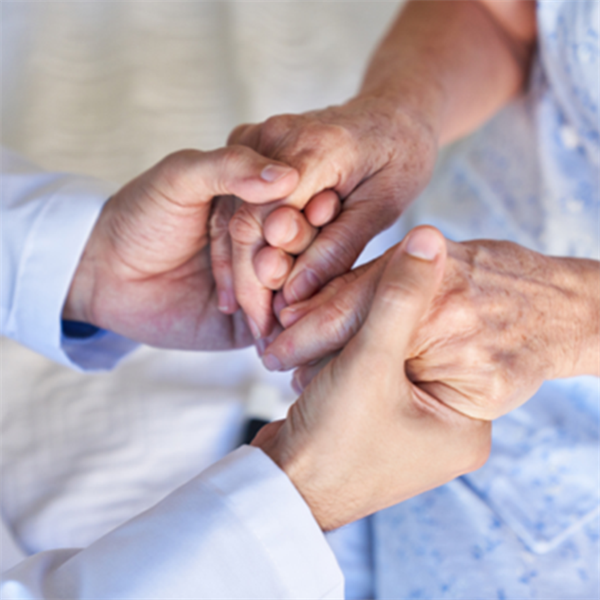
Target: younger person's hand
[146,272]
[362,436]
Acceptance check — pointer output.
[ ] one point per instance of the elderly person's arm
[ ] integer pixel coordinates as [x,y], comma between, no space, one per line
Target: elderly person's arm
[453,64]
[442,70]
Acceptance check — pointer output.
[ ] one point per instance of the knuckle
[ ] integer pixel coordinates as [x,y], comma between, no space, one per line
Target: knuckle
[170,168]
[399,294]
[240,133]
[219,261]
[275,127]
[342,147]
[231,158]
[325,139]
[339,283]
[181,158]
[245,227]
[219,226]
[498,397]
[339,322]
[338,134]
[335,255]
[305,136]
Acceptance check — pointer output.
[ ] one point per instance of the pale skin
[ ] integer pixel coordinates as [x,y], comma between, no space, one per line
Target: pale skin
[504,319]
[426,353]
[362,436]
[443,69]
[468,350]
[428,83]
[519,317]
[146,273]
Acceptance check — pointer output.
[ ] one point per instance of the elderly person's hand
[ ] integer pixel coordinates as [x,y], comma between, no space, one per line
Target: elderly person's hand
[503,320]
[428,83]
[362,436]
[146,270]
[374,157]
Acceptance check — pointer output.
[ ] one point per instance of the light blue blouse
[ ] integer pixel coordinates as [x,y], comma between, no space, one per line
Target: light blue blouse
[526,525]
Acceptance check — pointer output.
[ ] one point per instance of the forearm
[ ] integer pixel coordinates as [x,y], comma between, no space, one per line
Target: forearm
[454,64]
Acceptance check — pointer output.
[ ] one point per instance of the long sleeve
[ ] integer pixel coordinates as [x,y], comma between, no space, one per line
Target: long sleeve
[45,221]
[238,530]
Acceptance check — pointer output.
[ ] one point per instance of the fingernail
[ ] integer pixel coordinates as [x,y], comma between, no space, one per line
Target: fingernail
[254,330]
[296,385]
[281,269]
[290,233]
[424,244]
[290,314]
[272,173]
[226,301]
[303,285]
[272,363]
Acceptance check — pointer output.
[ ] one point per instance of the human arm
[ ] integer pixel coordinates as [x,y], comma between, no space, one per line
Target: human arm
[137,265]
[362,436]
[443,69]
[504,320]
[454,64]
[238,530]
[241,529]
[46,219]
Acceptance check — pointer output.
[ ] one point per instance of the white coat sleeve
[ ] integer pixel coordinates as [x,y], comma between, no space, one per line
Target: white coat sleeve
[45,221]
[238,530]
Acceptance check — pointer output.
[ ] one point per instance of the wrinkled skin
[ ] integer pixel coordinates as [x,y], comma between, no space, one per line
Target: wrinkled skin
[365,160]
[504,320]
[362,436]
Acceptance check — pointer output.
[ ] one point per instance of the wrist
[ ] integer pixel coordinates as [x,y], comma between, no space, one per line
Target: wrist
[325,507]
[273,440]
[580,283]
[408,131]
[408,101]
[84,285]
[320,484]
[76,307]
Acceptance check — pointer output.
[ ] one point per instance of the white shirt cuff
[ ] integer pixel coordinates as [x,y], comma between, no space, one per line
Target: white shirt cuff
[238,530]
[53,249]
[272,509]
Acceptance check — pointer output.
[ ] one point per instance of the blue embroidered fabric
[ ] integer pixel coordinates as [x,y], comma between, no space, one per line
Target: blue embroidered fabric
[526,525]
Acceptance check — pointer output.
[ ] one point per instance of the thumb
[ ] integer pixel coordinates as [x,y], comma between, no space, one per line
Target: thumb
[194,177]
[405,291]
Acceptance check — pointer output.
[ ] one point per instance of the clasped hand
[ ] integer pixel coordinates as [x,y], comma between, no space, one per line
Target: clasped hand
[413,354]
[146,272]
[355,441]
